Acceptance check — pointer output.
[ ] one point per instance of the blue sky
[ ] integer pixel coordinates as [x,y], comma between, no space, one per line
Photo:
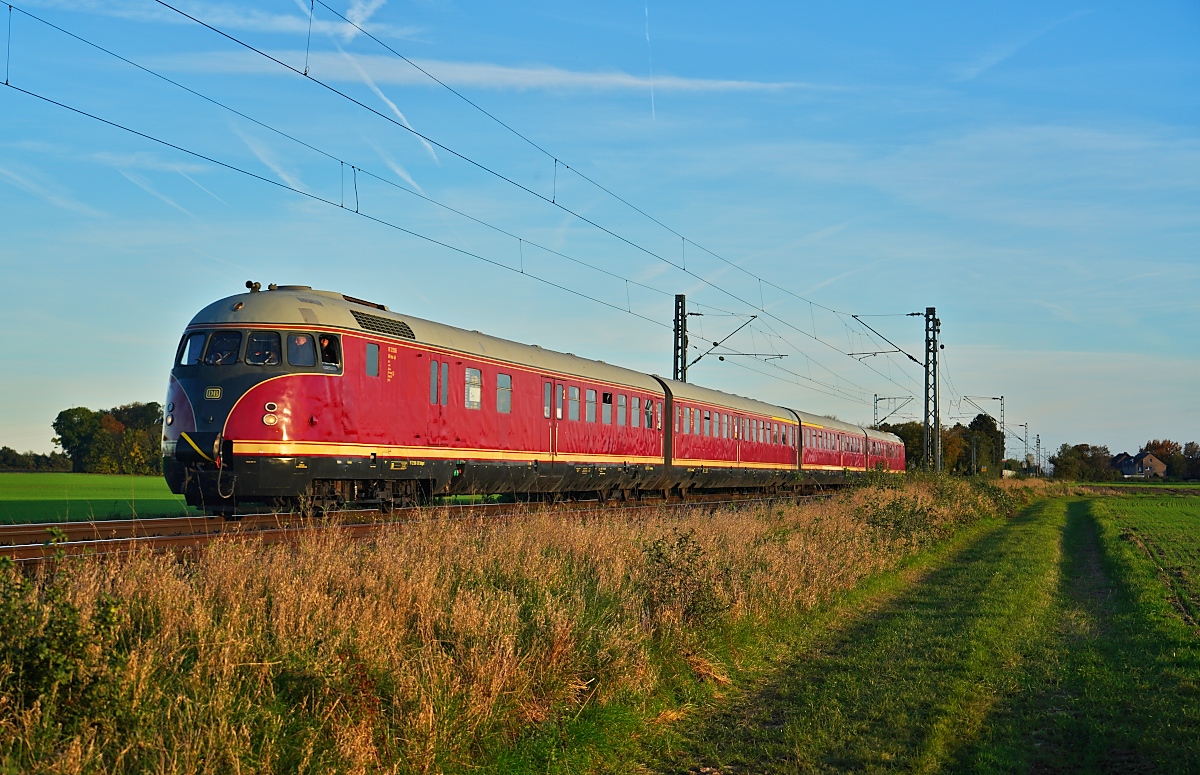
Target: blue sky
[1030,169]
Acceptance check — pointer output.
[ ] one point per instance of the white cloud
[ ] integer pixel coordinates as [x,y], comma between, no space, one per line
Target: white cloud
[379,93]
[236,17]
[1000,53]
[332,66]
[395,167]
[146,186]
[267,157]
[47,193]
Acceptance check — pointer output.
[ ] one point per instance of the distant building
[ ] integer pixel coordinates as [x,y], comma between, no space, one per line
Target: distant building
[1140,466]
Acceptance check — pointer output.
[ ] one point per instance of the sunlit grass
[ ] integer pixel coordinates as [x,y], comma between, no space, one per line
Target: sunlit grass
[60,497]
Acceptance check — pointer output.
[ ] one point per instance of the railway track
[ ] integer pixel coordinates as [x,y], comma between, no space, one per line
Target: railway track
[34,544]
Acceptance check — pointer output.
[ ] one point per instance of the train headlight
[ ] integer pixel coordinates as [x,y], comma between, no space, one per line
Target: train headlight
[270,419]
[170,419]
[271,406]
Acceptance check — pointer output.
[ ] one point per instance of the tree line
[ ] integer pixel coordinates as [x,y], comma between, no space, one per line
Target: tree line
[1093,463]
[966,449]
[123,440]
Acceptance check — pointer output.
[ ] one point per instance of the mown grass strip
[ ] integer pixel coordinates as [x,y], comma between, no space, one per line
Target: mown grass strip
[1111,685]
[906,682]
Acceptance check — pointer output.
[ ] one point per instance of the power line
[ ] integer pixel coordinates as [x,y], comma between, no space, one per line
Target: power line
[542,197]
[355,169]
[376,219]
[559,161]
[330,202]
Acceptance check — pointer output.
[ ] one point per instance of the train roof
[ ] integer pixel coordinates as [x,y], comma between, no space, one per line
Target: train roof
[302,306]
[688,391]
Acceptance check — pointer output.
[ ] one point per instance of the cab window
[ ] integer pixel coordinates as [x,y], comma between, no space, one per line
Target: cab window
[263,349]
[223,348]
[331,353]
[192,349]
[372,359]
[300,350]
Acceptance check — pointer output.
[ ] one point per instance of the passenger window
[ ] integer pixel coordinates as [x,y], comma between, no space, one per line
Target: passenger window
[562,390]
[649,414]
[300,351]
[636,411]
[473,389]
[707,424]
[223,348]
[372,360]
[192,349]
[547,397]
[331,354]
[678,418]
[504,394]
[658,415]
[433,382]
[445,383]
[572,403]
[606,408]
[591,406]
[621,399]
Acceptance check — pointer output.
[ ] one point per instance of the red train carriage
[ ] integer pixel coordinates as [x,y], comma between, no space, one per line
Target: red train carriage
[721,441]
[301,394]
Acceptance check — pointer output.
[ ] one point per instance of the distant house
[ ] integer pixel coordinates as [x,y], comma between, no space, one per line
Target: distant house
[1140,466]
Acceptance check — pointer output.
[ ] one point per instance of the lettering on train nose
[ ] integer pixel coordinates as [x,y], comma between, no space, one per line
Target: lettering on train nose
[213,393]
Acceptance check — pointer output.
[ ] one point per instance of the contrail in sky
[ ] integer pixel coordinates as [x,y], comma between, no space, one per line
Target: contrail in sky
[650,52]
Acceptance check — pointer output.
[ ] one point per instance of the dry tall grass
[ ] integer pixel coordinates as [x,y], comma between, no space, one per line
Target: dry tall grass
[409,653]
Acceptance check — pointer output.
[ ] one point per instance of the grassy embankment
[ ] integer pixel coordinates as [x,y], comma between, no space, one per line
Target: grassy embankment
[553,643]
[1061,641]
[61,497]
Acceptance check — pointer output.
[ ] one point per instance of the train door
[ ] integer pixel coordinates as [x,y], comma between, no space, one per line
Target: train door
[437,432]
[552,409]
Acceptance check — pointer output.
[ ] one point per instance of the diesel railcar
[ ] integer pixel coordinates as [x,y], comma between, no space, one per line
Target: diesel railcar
[295,396]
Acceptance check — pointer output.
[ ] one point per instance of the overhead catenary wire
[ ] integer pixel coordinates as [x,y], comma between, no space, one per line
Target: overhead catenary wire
[599,186]
[558,161]
[381,221]
[483,167]
[342,162]
[355,169]
[323,200]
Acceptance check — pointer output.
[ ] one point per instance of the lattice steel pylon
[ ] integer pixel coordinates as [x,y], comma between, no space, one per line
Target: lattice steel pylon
[679,369]
[933,419]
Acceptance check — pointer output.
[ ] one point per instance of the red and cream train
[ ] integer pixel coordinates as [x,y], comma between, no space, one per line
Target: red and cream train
[292,393]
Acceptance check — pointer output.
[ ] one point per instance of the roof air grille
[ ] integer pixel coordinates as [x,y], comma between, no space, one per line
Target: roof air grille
[383,325]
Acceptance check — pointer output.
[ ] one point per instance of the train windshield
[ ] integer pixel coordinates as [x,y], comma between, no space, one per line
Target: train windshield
[223,348]
[263,349]
[192,348]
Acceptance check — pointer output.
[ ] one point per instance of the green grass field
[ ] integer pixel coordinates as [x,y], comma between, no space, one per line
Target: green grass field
[55,497]
[1167,532]
[1060,641]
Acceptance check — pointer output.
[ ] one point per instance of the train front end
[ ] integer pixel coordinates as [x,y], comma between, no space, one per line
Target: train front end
[257,366]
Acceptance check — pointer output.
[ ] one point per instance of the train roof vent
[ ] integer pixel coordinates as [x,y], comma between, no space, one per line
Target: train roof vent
[383,325]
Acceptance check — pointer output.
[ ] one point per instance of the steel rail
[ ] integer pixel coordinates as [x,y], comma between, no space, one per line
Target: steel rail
[149,535]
